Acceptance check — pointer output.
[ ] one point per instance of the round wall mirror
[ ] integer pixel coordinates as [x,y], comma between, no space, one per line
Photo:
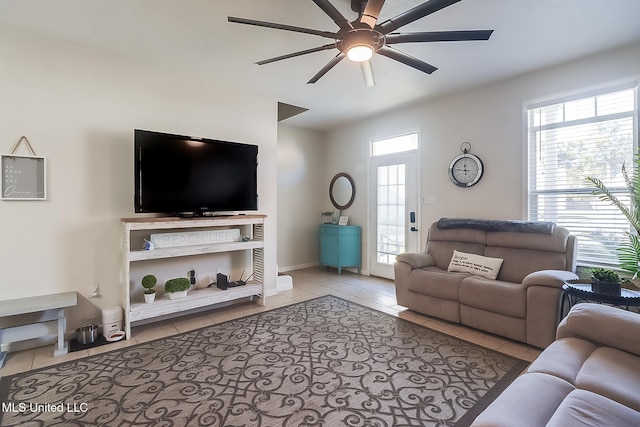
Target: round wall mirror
[342,191]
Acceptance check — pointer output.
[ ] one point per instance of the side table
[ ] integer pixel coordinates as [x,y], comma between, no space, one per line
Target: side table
[340,246]
[580,290]
[40,327]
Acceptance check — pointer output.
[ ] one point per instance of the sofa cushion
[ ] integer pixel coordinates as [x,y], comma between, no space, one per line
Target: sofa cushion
[506,326]
[563,358]
[494,295]
[514,407]
[614,374]
[442,251]
[518,263]
[435,282]
[442,243]
[464,235]
[601,323]
[475,264]
[556,242]
[583,408]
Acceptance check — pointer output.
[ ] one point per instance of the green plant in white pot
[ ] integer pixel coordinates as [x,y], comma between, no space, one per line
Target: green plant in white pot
[628,252]
[148,282]
[177,288]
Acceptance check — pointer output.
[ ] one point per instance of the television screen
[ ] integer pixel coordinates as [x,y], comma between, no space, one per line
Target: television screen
[185,175]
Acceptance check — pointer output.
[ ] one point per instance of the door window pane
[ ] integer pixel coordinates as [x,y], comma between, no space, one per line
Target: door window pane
[391,213]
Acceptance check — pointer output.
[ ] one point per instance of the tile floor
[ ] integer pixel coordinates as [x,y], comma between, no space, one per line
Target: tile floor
[308,283]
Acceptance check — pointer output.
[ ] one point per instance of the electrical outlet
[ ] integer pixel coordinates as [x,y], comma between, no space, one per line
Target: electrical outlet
[95,290]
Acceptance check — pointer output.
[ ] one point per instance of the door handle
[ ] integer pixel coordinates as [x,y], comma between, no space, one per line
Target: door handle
[414,229]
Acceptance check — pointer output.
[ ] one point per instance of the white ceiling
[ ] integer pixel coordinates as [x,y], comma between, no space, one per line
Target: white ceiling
[194,37]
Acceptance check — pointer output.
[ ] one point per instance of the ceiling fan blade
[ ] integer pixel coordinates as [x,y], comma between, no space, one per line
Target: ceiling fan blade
[367,73]
[414,14]
[339,57]
[438,36]
[299,53]
[406,59]
[371,12]
[285,27]
[334,14]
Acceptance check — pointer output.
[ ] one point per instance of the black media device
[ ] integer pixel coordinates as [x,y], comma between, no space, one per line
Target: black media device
[183,175]
[239,282]
[222,282]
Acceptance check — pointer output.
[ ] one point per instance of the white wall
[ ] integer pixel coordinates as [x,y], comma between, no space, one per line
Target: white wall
[303,193]
[79,108]
[490,118]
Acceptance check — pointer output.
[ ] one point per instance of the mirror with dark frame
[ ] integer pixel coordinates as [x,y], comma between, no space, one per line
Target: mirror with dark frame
[342,191]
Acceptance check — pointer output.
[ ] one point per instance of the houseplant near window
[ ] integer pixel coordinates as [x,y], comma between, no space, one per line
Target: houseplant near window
[605,281]
[148,282]
[628,252]
[177,288]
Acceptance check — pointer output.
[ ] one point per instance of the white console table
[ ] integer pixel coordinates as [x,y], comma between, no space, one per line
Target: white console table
[136,310]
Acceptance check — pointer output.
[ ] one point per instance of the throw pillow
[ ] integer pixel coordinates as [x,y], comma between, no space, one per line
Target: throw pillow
[475,264]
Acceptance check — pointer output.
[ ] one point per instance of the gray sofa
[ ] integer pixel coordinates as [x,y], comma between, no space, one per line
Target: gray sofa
[590,376]
[522,303]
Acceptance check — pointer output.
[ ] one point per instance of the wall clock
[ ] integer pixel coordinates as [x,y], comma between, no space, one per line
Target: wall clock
[465,170]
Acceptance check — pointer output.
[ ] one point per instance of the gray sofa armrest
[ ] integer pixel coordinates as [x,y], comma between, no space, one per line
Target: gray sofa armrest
[604,325]
[416,259]
[551,278]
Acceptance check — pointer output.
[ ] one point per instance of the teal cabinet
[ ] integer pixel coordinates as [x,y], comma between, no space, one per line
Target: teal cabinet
[340,246]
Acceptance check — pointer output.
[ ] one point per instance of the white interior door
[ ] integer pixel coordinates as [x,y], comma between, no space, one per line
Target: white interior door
[394,203]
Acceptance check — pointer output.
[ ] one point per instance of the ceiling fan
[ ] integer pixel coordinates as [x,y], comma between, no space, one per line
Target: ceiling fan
[358,40]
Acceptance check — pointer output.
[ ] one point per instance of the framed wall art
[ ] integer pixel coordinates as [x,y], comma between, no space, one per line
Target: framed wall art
[23,177]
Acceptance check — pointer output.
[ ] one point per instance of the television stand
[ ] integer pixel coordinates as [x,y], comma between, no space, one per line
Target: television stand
[135,263]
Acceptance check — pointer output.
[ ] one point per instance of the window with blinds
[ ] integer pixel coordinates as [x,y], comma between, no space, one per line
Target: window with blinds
[593,134]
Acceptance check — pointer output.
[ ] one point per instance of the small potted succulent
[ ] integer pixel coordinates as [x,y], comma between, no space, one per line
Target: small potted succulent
[605,281]
[177,288]
[148,282]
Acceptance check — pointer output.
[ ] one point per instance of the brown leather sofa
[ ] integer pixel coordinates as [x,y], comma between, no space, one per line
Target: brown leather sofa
[590,376]
[522,303]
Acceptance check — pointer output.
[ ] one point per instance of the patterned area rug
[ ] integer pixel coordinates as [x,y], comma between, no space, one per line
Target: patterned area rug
[324,362]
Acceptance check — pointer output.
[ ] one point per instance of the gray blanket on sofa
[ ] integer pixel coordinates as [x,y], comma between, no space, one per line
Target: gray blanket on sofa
[541,227]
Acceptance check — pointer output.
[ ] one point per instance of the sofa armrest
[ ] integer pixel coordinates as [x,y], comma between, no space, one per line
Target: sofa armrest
[604,325]
[416,259]
[551,278]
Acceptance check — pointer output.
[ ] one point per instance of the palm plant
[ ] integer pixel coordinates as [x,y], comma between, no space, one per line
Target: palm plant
[629,252]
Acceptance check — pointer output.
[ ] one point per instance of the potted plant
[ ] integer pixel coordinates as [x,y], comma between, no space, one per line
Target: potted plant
[177,288]
[628,252]
[605,281]
[148,282]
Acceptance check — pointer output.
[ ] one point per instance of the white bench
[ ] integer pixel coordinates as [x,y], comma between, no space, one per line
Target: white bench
[40,328]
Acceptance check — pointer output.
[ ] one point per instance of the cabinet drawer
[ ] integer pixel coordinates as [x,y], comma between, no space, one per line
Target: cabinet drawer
[331,231]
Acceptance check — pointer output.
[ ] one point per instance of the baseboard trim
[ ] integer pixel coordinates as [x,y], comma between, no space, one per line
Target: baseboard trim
[297,267]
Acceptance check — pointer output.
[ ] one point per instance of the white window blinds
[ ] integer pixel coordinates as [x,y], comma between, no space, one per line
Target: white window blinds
[569,139]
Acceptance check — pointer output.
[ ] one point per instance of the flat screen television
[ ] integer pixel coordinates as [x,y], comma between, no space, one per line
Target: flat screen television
[182,175]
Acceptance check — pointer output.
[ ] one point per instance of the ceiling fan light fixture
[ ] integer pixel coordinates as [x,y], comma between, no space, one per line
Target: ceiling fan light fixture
[358,40]
[360,53]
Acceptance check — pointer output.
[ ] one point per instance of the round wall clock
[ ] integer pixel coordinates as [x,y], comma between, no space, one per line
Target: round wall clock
[465,169]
